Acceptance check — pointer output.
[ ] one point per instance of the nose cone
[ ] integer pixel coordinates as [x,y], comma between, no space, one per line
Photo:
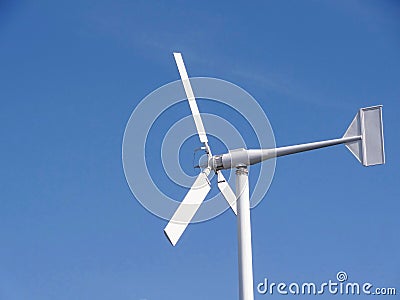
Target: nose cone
[203,161]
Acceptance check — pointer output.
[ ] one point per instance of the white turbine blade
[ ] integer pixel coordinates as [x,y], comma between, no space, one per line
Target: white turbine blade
[190,97]
[226,191]
[186,210]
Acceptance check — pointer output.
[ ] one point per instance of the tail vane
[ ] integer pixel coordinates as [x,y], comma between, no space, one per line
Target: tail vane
[367,124]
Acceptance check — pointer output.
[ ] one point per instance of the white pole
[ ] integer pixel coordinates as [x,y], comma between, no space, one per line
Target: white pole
[244,235]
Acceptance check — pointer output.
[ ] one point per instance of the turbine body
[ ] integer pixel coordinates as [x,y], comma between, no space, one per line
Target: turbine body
[364,138]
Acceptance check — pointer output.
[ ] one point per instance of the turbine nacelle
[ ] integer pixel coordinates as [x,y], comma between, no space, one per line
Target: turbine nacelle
[236,158]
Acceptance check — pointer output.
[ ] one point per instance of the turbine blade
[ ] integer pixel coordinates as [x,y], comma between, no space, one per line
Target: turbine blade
[186,210]
[226,191]
[190,96]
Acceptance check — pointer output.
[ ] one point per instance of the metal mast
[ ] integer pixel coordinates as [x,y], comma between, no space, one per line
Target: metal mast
[244,235]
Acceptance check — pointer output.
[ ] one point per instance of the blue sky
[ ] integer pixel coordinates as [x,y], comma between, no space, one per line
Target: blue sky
[71,74]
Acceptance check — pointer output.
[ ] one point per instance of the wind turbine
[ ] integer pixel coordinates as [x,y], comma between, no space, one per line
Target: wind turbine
[364,138]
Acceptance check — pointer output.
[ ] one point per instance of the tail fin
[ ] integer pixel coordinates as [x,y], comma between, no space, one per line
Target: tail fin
[367,124]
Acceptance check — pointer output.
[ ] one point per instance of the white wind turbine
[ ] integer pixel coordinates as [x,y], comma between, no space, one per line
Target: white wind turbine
[364,138]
